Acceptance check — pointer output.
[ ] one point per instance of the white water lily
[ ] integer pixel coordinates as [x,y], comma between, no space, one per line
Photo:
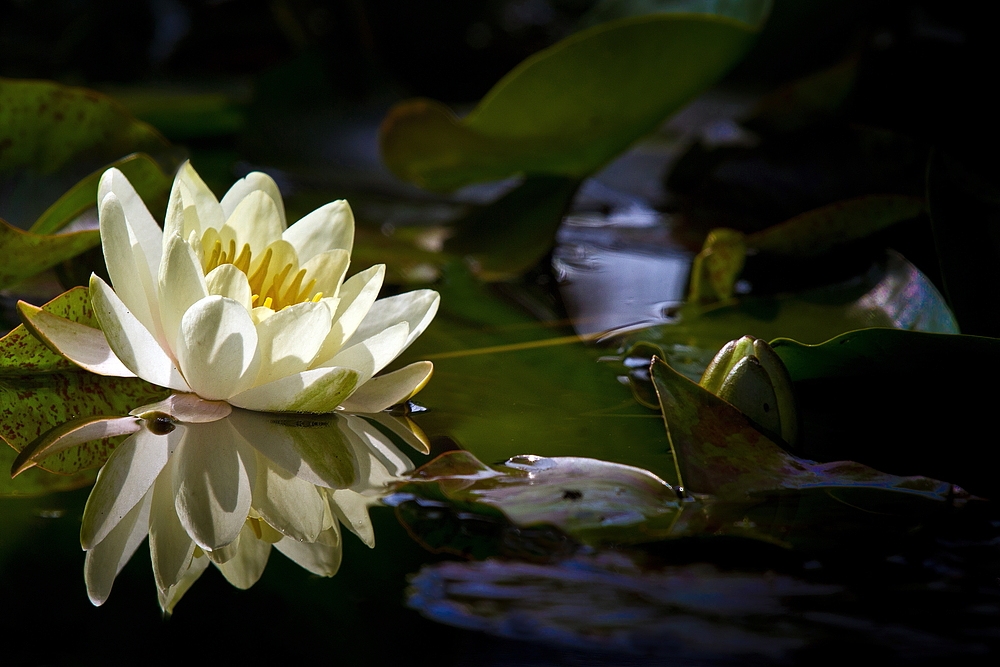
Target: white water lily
[209,483]
[226,303]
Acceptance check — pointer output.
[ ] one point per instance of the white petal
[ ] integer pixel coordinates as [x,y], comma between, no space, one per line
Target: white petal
[255,221]
[387,463]
[171,548]
[195,193]
[84,346]
[228,281]
[351,508]
[316,391]
[320,558]
[245,568]
[181,284]
[312,448]
[356,298]
[416,308]
[187,408]
[292,505]
[144,229]
[371,355]
[217,348]
[255,180]
[122,483]
[212,483]
[384,391]
[327,228]
[106,559]
[132,343]
[328,270]
[129,265]
[289,340]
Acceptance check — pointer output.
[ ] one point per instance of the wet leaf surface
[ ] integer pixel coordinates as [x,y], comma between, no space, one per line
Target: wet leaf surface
[21,353]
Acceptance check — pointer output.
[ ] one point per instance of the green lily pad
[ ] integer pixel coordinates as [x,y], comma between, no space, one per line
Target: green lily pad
[142,171]
[720,452]
[44,126]
[27,254]
[570,108]
[21,353]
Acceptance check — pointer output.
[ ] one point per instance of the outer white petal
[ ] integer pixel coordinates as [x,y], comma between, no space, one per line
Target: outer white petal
[289,340]
[416,308]
[106,559]
[356,298]
[84,346]
[327,228]
[181,284]
[384,391]
[371,355]
[212,483]
[123,481]
[132,343]
[289,504]
[144,229]
[171,548]
[217,348]
[255,180]
[244,569]
[228,281]
[187,408]
[316,391]
[311,447]
[129,263]
[255,221]
[322,558]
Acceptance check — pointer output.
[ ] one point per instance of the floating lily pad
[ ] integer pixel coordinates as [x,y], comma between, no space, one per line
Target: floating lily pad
[570,108]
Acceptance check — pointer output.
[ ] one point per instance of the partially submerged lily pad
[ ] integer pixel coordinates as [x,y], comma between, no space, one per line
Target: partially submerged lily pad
[21,353]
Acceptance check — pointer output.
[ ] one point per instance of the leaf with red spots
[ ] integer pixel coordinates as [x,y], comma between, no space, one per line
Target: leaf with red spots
[22,354]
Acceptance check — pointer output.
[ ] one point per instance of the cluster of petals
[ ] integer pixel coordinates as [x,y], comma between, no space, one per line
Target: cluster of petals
[214,484]
[227,303]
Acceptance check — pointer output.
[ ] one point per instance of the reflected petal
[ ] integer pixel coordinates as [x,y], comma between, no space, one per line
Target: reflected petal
[123,481]
[351,508]
[106,559]
[245,567]
[322,558]
[212,483]
[170,547]
[170,597]
[289,504]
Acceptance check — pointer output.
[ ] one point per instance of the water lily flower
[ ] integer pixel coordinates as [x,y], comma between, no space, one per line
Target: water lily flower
[209,483]
[227,303]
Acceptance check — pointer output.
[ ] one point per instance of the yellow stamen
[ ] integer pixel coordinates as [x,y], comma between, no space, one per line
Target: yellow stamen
[213,259]
[243,261]
[304,294]
[268,302]
[292,293]
[257,279]
[317,297]
[273,290]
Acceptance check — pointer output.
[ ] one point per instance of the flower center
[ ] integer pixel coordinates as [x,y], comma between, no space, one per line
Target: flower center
[273,284]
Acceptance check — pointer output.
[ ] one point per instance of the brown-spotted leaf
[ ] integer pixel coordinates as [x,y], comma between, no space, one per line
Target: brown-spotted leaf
[31,405]
[26,254]
[21,353]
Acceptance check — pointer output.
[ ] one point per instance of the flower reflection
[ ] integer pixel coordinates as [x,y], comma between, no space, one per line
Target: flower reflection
[214,484]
